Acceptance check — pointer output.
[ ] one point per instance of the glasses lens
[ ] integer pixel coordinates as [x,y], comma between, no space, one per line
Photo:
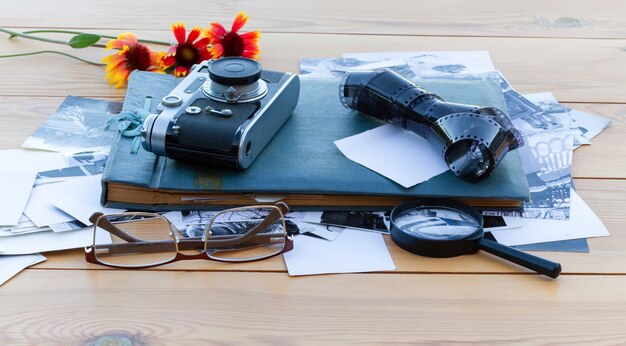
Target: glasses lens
[246,234]
[137,239]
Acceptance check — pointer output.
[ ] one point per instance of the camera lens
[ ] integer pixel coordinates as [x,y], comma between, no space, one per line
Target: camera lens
[234,71]
[234,80]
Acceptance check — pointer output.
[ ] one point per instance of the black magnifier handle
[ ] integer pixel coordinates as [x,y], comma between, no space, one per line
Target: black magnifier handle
[532,262]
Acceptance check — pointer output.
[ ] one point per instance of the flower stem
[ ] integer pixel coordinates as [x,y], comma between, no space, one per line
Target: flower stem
[13,34]
[26,35]
[52,52]
[78,32]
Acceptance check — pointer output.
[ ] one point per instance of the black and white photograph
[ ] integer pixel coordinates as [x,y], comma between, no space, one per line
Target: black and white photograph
[67,226]
[586,125]
[80,164]
[529,118]
[363,220]
[24,226]
[553,108]
[547,160]
[337,67]
[78,125]
[426,64]
[410,65]
[193,223]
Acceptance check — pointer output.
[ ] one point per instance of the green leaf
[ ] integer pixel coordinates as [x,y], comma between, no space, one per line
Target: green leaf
[84,40]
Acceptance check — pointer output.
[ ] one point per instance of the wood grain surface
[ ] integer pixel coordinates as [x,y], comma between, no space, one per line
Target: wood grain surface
[491,18]
[576,50]
[580,70]
[175,308]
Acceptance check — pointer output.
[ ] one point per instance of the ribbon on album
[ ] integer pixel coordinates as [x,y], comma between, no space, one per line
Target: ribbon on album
[129,124]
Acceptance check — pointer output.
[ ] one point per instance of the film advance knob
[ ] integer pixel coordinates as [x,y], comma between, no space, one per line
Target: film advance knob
[234,71]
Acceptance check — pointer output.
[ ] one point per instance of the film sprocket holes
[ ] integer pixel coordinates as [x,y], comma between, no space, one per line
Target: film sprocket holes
[471,139]
[223,114]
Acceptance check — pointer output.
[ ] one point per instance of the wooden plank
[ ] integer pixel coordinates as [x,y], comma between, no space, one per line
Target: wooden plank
[439,18]
[120,307]
[586,70]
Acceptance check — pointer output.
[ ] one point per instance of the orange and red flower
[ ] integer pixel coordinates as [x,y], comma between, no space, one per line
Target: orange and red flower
[187,51]
[131,55]
[231,43]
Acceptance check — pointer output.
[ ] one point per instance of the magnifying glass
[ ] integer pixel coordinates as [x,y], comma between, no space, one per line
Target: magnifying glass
[447,228]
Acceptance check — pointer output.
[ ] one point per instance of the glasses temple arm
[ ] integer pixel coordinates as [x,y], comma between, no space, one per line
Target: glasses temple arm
[96,218]
[275,214]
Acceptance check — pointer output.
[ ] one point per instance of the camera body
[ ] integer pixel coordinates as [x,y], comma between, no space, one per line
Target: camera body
[222,114]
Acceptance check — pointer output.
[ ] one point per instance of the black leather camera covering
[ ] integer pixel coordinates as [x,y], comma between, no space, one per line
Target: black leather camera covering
[213,131]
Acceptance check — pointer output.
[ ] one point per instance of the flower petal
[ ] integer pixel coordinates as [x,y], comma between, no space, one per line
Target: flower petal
[252,35]
[117,78]
[156,58]
[202,43]
[216,31]
[179,32]
[172,50]
[239,21]
[251,54]
[168,61]
[217,50]
[205,55]
[124,39]
[115,65]
[194,34]
[250,45]
[124,50]
[113,59]
[123,79]
[180,71]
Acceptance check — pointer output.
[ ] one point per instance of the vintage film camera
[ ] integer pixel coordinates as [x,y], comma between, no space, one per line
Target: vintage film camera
[223,114]
[471,139]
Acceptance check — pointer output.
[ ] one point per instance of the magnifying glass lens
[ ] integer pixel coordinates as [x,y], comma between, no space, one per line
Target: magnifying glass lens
[437,223]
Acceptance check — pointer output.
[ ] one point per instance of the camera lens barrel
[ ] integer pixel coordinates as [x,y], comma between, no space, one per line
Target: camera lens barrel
[234,71]
[235,80]
[471,139]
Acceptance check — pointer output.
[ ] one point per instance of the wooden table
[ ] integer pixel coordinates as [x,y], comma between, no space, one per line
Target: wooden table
[576,50]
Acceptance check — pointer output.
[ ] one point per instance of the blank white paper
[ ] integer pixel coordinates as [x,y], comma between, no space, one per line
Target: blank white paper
[16,184]
[38,159]
[583,223]
[85,200]
[51,241]
[39,209]
[352,252]
[12,265]
[397,154]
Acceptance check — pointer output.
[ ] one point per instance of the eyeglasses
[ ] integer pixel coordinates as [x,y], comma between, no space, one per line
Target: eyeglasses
[141,240]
